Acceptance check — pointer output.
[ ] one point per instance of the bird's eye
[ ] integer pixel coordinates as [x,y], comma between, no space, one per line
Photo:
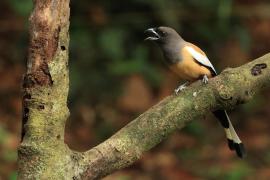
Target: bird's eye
[162,33]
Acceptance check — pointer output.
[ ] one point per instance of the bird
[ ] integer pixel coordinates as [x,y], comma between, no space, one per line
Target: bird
[190,63]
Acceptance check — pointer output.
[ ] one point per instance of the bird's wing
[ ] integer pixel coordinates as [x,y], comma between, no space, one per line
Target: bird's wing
[201,58]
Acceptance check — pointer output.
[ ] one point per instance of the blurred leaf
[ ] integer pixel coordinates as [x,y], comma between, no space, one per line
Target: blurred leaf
[224,9]
[214,172]
[10,156]
[185,154]
[134,65]
[251,106]
[124,177]
[13,175]
[244,38]
[206,4]
[153,76]
[126,67]
[104,130]
[137,64]
[22,7]
[112,43]
[195,128]
[81,44]
[241,171]
[3,135]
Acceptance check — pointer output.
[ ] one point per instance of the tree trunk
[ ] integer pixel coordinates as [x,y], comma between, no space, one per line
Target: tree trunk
[42,153]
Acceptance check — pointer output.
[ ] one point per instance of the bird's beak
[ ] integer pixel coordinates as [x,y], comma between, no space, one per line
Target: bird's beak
[152,34]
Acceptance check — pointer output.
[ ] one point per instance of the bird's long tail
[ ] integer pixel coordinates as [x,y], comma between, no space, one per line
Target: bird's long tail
[234,141]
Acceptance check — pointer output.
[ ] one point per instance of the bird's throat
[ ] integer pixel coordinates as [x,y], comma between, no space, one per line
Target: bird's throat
[171,53]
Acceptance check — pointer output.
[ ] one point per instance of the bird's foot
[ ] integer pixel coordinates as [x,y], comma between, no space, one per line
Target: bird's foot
[205,79]
[180,88]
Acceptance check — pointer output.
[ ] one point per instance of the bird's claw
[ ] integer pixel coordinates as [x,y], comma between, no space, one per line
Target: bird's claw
[205,79]
[180,88]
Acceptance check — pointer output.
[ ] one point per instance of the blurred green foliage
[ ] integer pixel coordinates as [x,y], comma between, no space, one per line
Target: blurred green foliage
[13,176]
[3,135]
[107,47]
[107,38]
[195,128]
[240,171]
[23,8]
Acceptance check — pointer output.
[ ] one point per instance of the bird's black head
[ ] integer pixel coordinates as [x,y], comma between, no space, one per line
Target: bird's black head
[162,35]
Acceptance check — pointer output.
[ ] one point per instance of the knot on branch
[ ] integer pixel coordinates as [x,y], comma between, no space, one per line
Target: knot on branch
[229,94]
[225,92]
[257,69]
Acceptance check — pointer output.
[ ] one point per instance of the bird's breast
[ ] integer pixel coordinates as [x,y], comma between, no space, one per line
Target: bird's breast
[189,69]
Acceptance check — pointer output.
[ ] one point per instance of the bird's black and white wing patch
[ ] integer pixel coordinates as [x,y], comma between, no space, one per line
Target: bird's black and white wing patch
[201,59]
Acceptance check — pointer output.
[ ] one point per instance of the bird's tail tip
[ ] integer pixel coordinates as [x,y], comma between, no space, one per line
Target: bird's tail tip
[240,150]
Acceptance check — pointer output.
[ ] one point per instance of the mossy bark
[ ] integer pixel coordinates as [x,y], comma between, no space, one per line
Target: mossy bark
[43,153]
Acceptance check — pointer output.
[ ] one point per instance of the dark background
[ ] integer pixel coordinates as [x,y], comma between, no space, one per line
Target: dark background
[115,76]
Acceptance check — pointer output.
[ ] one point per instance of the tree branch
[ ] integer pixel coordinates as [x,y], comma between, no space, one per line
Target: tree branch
[231,88]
